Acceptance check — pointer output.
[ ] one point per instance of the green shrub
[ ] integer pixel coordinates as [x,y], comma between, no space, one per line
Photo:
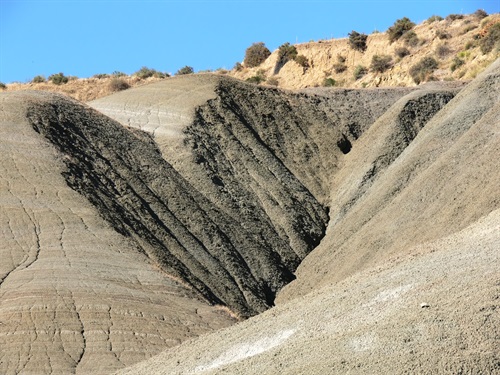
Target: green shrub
[286,52]
[457,63]
[256,54]
[255,79]
[401,52]
[434,18]
[357,41]
[454,17]
[442,50]
[441,34]
[185,70]
[410,38]
[380,63]
[145,72]
[302,61]
[399,28]
[491,40]
[58,79]
[480,14]
[329,82]
[100,76]
[38,79]
[118,74]
[359,71]
[118,84]
[422,71]
[3,86]
[258,78]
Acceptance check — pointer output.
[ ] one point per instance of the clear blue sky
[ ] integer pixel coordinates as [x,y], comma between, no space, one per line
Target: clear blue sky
[86,37]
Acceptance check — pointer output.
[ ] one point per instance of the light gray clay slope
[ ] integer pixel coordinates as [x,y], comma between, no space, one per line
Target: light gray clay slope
[435,310]
[444,180]
[75,295]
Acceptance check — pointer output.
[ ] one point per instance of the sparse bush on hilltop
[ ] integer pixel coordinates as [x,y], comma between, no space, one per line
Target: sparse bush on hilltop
[118,84]
[286,52]
[399,28]
[256,54]
[38,79]
[357,41]
[100,75]
[146,72]
[491,40]
[422,71]
[185,70]
[454,17]
[359,71]
[401,52]
[3,86]
[480,14]
[434,18]
[410,38]
[58,79]
[380,63]
[116,73]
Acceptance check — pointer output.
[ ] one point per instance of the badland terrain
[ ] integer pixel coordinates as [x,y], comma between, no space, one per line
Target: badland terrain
[204,224]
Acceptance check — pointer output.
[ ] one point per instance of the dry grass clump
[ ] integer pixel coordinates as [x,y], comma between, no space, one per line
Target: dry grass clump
[422,71]
[380,63]
[400,27]
[118,84]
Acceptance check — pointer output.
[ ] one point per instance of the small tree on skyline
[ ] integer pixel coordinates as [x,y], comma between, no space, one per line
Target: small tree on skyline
[256,54]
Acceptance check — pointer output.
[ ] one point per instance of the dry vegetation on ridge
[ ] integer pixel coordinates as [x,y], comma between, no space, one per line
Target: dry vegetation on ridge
[454,42]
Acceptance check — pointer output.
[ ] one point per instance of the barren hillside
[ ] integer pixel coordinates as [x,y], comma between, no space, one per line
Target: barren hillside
[335,230]
[406,279]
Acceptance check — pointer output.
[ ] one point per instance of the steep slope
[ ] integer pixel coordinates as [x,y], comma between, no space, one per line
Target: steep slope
[406,278]
[217,190]
[444,180]
[75,296]
[448,41]
[257,160]
[372,322]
